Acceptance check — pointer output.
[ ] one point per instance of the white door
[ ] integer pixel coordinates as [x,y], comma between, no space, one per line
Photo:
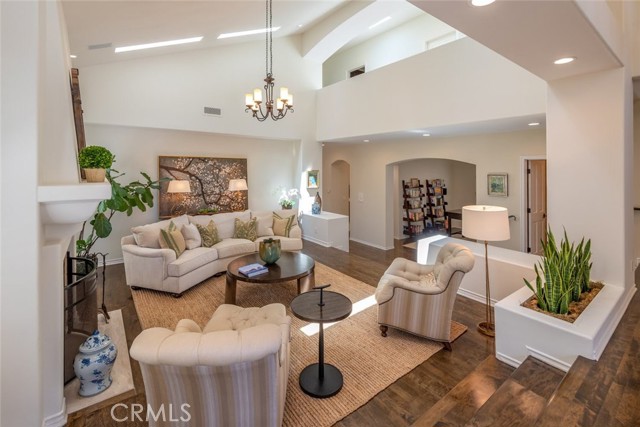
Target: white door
[536,205]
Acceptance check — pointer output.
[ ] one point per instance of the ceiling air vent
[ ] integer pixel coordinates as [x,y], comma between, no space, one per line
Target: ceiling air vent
[213,111]
[99,46]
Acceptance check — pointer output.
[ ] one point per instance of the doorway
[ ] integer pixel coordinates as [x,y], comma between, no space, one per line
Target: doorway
[536,205]
[339,194]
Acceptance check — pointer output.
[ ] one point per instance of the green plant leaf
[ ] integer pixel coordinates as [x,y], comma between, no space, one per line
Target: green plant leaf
[102,226]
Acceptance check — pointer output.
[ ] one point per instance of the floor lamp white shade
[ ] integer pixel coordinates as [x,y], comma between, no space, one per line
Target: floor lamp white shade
[490,224]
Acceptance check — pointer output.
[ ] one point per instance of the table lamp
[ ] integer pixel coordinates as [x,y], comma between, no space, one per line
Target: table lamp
[178,186]
[491,224]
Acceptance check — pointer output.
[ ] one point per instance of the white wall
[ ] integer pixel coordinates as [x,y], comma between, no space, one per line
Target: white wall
[391,46]
[593,160]
[636,177]
[434,88]
[170,91]
[270,163]
[490,153]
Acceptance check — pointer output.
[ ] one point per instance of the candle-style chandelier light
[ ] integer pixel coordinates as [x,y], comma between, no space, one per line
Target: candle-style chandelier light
[278,108]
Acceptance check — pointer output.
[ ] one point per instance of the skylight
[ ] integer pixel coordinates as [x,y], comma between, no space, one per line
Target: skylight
[247,33]
[157,44]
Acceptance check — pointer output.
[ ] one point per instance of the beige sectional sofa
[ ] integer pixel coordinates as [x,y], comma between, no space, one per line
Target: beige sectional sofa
[148,265]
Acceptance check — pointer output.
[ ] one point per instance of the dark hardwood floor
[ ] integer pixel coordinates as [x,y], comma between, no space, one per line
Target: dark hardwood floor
[464,387]
[398,405]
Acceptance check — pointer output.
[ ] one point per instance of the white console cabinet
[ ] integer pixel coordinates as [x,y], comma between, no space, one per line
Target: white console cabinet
[326,229]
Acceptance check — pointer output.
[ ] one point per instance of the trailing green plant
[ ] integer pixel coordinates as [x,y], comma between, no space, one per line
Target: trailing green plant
[124,198]
[566,270]
[95,156]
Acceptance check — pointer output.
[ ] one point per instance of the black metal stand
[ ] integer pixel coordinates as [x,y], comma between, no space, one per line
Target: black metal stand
[320,379]
[103,307]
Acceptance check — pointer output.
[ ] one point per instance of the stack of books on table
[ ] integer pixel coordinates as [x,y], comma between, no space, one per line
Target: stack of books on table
[253,270]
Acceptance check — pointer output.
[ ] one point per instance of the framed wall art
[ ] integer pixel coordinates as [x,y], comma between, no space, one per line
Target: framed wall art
[498,184]
[312,179]
[208,179]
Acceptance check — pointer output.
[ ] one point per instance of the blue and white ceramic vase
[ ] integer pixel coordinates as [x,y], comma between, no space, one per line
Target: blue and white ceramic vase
[93,364]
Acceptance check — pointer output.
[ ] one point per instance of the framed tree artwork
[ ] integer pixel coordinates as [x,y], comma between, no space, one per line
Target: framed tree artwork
[208,179]
[497,184]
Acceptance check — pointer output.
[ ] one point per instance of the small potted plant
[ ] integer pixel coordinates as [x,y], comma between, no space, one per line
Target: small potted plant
[95,160]
[288,198]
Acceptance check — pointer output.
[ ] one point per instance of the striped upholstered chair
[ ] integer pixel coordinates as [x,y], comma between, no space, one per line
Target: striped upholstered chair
[232,373]
[419,298]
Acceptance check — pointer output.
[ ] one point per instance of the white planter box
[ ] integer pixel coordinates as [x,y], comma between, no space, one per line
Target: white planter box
[522,332]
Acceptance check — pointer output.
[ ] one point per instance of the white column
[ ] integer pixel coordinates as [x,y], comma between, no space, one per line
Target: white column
[590,171]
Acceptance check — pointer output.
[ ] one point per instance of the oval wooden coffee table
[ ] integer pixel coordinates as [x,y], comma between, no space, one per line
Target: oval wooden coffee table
[290,266]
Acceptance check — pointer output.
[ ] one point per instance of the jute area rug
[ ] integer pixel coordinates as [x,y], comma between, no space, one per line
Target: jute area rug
[368,362]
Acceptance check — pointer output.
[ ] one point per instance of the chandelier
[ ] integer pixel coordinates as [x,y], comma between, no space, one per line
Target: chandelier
[278,108]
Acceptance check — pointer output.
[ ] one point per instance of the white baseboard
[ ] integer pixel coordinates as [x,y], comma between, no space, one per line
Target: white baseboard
[475,296]
[57,420]
[508,360]
[548,359]
[115,261]
[371,244]
[317,241]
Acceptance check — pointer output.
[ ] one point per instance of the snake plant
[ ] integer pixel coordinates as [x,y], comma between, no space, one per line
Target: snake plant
[565,271]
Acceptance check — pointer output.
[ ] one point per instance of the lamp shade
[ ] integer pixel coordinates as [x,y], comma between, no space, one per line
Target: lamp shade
[489,223]
[238,185]
[179,186]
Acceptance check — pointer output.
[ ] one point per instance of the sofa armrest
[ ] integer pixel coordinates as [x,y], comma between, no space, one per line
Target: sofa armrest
[146,267]
[295,232]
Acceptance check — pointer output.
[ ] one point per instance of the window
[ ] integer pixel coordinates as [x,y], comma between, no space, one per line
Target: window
[356,72]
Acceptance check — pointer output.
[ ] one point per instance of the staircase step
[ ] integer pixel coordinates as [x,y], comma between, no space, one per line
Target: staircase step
[462,402]
[521,398]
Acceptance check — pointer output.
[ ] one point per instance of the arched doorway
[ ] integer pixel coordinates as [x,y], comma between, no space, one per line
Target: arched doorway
[337,196]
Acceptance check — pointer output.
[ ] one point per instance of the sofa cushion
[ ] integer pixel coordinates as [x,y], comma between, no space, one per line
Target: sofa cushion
[208,234]
[246,229]
[232,247]
[191,236]
[191,260]
[282,225]
[231,317]
[224,221]
[148,236]
[265,222]
[286,243]
[172,238]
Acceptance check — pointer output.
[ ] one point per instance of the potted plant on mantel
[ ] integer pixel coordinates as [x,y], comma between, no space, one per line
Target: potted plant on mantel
[95,160]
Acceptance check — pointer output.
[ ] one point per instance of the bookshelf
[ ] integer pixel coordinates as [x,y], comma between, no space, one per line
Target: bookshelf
[436,205]
[414,216]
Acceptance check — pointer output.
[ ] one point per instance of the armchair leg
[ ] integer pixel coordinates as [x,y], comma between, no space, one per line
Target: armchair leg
[447,346]
[383,330]
[135,288]
[176,295]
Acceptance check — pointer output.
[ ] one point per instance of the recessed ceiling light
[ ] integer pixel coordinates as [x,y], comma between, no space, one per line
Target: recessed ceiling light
[157,44]
[426,134]
[73,56]
[299,25]
[365,140]
[565,60]
[382,21]
[534,124]
[480,3]
[248,33]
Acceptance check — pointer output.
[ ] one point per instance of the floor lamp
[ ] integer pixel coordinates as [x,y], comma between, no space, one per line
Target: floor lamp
[491,224]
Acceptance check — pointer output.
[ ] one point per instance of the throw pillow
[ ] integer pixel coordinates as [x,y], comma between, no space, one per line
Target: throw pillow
[282,226]
[171,238]
[246,229]
[209,234]
[191,236]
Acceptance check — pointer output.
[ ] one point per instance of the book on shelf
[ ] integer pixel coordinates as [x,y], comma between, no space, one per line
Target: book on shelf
[251,270]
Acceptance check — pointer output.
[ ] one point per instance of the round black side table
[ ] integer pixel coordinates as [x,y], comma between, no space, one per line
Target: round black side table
[318,306]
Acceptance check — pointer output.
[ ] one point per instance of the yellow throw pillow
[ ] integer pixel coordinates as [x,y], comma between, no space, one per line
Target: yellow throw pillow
[282,226]
[246,229]
[172,238]
[209,234]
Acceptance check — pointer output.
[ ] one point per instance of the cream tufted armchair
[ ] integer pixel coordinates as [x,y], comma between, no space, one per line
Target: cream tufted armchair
[419,298]
[232,373]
